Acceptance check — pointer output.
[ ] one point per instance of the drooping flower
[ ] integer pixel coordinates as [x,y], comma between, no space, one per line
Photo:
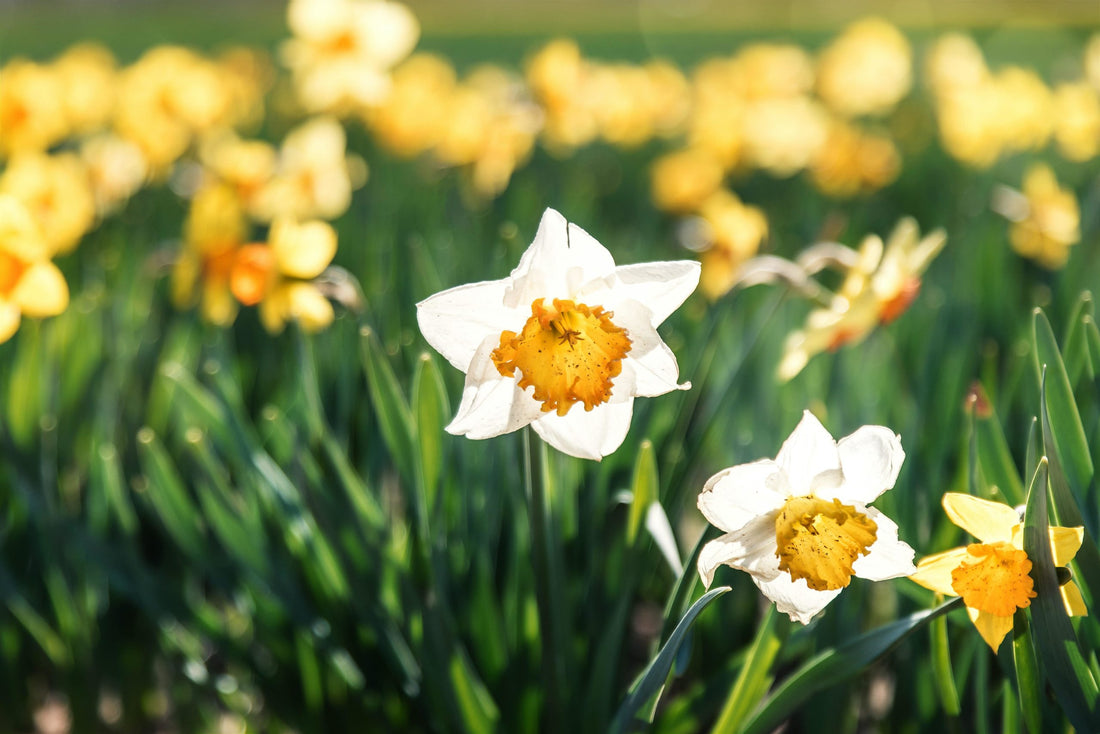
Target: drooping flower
[565,343]
[877,290]
[1045,217]
[800,524]
[992,576]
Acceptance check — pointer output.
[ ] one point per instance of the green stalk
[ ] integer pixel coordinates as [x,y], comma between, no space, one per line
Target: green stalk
[550,633]
[753,680]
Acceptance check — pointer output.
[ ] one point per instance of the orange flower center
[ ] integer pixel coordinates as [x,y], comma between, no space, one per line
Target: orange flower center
[568,353]
[11,270]
[896,306]
[252,272]
[994,579]
[819,540]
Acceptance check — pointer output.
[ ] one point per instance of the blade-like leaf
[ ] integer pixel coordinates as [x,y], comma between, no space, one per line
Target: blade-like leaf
[652,680]
[837,665]
[753,679]
[643,488]
[395,418]
[431,410]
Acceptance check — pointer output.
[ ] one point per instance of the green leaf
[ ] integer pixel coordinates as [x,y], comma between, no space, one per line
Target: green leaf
[1056,645]
[1028,681]
[390,407]
[941,665]
[994,458]
[1068,432]
[753,680]
[1076,340]
[432,410]
[652,680]
[169,497]
[644,488]
[837,665]
[475,704]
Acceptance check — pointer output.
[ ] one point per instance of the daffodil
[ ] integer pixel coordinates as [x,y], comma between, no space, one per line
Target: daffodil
[30,285]
[564,344]
[800,524]
[1045,217]
[878,289]
[993,575]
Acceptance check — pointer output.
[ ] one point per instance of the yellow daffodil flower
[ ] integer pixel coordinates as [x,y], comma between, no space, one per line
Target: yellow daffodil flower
[732,232]
[32,108]
[88,80]
[853,161]
[800,524]
[992,576]
[413,116]
[30,285]
[567,327]
[116,170]
[866,70]
[276,276]
[682,181]
[877,290]
[57,192]
[1045,217]
[214,232]
[1077,120]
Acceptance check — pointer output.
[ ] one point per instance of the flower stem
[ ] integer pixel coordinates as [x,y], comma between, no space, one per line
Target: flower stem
[546,591]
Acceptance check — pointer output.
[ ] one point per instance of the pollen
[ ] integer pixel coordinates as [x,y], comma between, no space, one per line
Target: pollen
[569,353]
[995,579]
[819,540]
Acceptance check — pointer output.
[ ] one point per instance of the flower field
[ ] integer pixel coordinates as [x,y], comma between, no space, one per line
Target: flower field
[366,369]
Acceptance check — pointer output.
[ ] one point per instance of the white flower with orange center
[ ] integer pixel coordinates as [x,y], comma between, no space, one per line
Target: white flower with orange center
[565,343]
[800,524]
[993,577]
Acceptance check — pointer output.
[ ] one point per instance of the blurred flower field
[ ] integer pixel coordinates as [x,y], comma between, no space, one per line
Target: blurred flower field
[364,375]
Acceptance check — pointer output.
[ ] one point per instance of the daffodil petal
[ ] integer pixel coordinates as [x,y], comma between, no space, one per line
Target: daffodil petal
[870,459]
[1065,542]
[888,557]
[795,598]
[934,571]
[587,434]
[750,549]
[456,321]
[987,521]
[1071,597]
[735,496]
[308,306]
[41,291]
[991,627]
[302,250]
[650,368]
[560,261]
[491,404]
[662,286]
[807,453]
[714,554]
[9,320]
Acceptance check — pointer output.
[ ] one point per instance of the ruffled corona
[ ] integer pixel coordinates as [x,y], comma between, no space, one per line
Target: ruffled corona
[995,579]
[568,353]
[818,540]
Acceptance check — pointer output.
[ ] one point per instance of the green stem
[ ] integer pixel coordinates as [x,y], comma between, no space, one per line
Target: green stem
[550,635]
[753,680]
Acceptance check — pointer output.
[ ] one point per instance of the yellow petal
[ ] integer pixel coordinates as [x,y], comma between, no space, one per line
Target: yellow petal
[9,320]
[991,627]
[218,305]
[934,572]
[988,521]
[302,250]
[308,306]
[41,291]
[1071,597]
[1065,542]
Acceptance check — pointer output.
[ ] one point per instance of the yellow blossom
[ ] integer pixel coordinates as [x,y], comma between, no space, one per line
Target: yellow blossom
[866,70]
[783,135]
[876,290]
[559,78]
[32,112]
[992,576]
[733,232]
[1045,221]
[853,161]
[413,117]
[30,285]
[56,191]
[246,165]
[1077,120]
[116,170]
[214,232]
[88,80]
[682,181]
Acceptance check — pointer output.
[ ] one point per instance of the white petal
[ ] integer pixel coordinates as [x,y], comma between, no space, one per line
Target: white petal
[662,286]
[870,459]
[587,434]
[888,557]
[457,320]
[560,261]
[750,549]
[491,404]
[808,452]
[739,494]
[714,554]
[795,598]
[650,362]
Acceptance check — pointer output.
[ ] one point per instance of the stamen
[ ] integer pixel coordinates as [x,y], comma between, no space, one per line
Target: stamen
[819,540]
[995,579]
[568,353]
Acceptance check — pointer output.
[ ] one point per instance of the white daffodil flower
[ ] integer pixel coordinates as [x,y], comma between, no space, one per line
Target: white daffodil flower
[800,524]
[567,327]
